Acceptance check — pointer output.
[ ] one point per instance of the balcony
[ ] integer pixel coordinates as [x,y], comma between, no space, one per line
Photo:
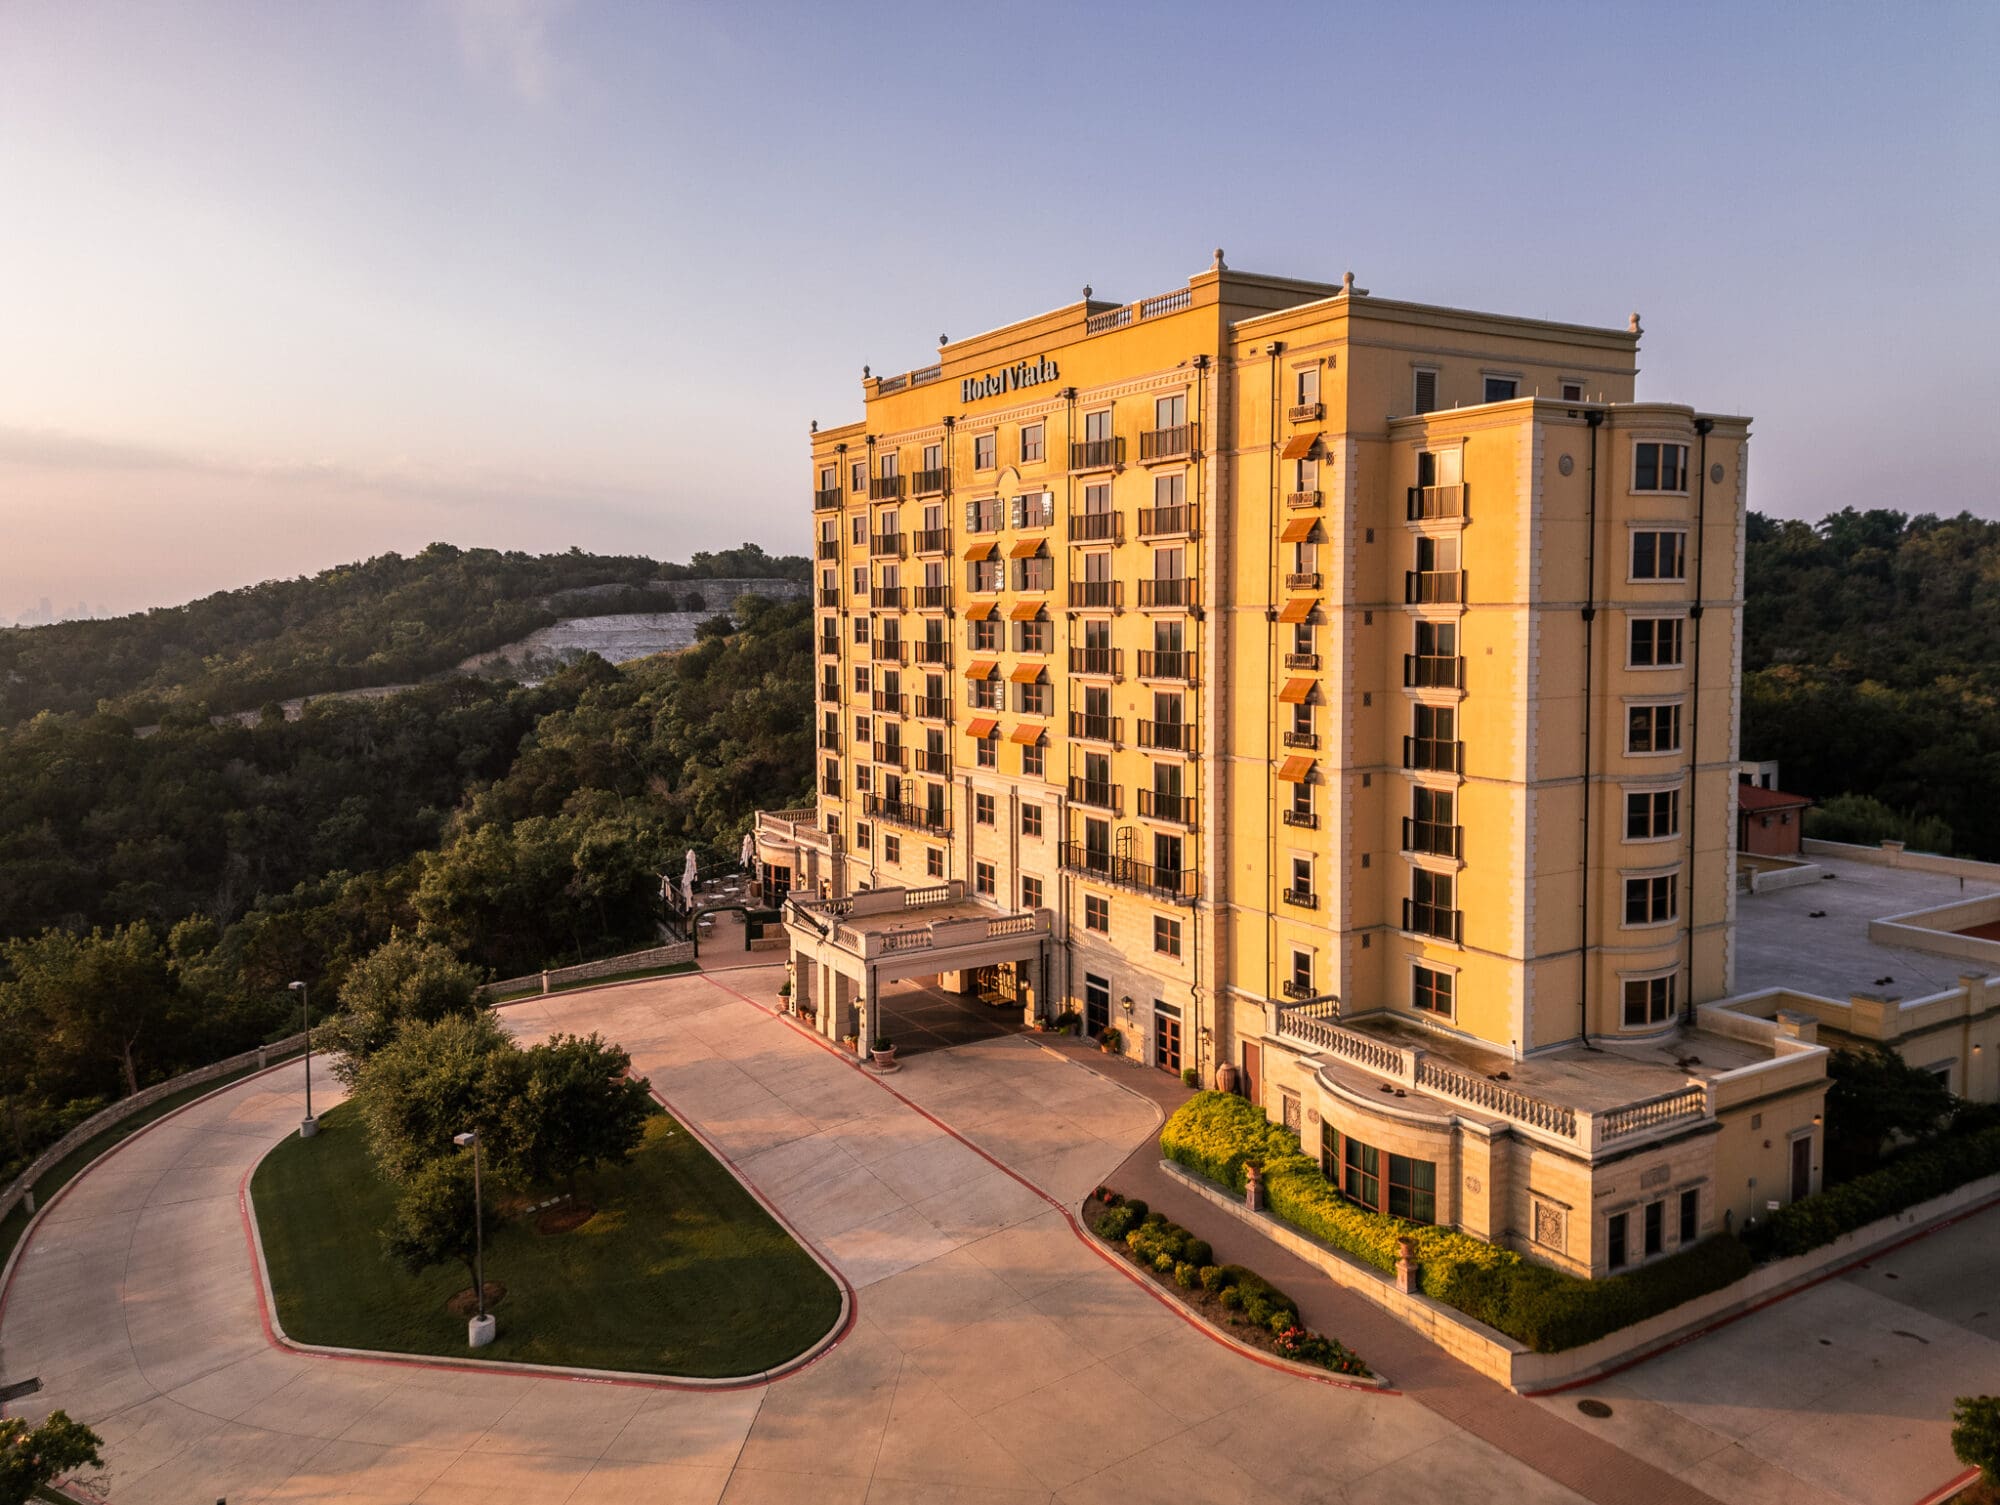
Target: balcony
[1302,580]
[886,651]
[885,545]
[1167,736]
[1110,593]
[829,644]
[829,693]
[1088,728]
[1097,527]
[1428,502]
[1097,661]
[1164,522]
[1433,920]
[1433,671]
[1179,884]
[1433,838]
[933,761]
[890,703]
[827,548]
[1302,661]
[1097,796]
[1301,898]
[931,541]
[1306,740]
[825,499]
[890,753]
[936,819]
[1177,808]
[1433,755]
[1176,443]
[829,787]
[829,597]
[1305,412]
[1293,988]
[932,597]
[1431,587]
[930,653]
[931,708]
[1302,498]
[1305,820]
[1178,592]
[1096,454]
[1167,663]
[930,482]
[885,489]
[887,596]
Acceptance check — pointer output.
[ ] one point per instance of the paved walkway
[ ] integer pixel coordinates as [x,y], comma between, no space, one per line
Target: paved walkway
[995,1357]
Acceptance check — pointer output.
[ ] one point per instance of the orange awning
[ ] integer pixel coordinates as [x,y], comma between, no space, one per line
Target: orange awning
[981,669]
[1298,530]
[1022,548]
[1026,674]
[1297,609]
[1025,611]
[1295,692]
[1027,735]
[1295,770]
[978,551]
[1298,446]
[983,727]
[979,611]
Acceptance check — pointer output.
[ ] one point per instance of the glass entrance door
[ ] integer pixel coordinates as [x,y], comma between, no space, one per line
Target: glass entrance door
[1096,1004]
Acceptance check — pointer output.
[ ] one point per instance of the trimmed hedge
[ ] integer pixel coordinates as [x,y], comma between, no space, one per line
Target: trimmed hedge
[1930,1171]
[1217,1134]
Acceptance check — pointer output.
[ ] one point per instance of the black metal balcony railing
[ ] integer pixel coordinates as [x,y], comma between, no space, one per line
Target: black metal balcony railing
[1302,499]
[1166,663]
[1305,412]
[887,650]
[1302,898]
[1179,592]
[1155,804]
[1096,660]
[1157,522]
[931,708]
[829,597]
[1433,837]
[1302,661]
[1174,443]
[930,653]
[1426,502]
[1087,728]
[1097,796]
[932,597]
[890,703]
[931,541]
[890,753]
[1307,740]
[1433,919]
[1129,872]
[885,488]
[1302,580]
[829,787]
[829,644]
[828,497]
[827,548]
[829,692]
[890,596]
[1109,593]
[829,740]
[930,482]
[928,761]
[885,545]
[1434,755]
[1433,671]
[902,813]
[1096,454]
[1097,527]
[1304,819]
[1293,988]
[1168,736]
[1426,587]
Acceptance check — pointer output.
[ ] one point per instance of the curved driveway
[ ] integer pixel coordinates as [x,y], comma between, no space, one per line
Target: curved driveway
[994,1357]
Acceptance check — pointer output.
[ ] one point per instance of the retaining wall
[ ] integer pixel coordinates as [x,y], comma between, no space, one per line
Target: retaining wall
[631,961]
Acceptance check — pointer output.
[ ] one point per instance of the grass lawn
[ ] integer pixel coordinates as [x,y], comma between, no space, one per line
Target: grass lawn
[680,1272]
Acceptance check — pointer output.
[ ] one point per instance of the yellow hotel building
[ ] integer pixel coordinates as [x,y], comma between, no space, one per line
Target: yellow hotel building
[1331,695]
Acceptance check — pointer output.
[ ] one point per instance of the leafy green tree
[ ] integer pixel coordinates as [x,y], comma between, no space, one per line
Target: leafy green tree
[577,1109]
[1866,820]
[404,980]
[1875,1094]
[434,1219]
[94,996]
[435,1080]
[32,1457]
[1975,1434]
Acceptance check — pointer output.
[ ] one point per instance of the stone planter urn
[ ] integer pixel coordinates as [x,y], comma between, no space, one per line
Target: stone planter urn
[1225,1078]
[1406,1266]
[883,1054]
[1253,1188]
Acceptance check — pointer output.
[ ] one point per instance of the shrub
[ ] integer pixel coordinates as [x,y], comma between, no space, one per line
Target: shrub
[1190,1077]
[1197,1253]
[1112,1224]
[1112,1039]
[1921,1174]
[1975,1434]
[1163,1262]
[1231,1298]
[1215,1278]
[1184,1275]
[1140,1211]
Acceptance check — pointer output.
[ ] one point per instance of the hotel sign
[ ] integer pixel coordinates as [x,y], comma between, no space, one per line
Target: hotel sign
[1008,379]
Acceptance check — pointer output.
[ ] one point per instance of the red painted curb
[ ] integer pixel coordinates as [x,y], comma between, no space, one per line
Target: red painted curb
[1949,1488]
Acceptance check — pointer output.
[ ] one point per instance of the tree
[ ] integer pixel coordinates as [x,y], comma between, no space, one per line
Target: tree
[434,1218]
[1874,1094]
[1975,1434]
[94,995]
[31,1457]
[433,1081]
[402,981]
[577,1109]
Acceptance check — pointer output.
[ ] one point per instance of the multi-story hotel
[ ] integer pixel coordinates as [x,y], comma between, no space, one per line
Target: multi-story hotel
[1332,695]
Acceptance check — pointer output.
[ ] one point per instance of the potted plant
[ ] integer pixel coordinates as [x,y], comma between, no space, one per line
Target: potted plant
[883,1050]
[1111,1041]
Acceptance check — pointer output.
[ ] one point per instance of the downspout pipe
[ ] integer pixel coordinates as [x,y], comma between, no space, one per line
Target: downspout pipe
[1274,350]
[1595,418]
[1702,426]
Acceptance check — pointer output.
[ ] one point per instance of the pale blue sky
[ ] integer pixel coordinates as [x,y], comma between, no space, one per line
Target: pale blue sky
[284,285]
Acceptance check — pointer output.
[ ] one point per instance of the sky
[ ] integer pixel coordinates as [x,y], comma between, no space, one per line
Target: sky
[283,286]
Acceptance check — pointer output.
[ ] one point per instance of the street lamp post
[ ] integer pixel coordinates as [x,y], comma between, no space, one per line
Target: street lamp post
[308,1126]
[479,1331]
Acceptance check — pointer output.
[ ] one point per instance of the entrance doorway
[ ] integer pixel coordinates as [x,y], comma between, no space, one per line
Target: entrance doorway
[1801,1167]
[1096,1004]
[1253,1072]
[1166,1037]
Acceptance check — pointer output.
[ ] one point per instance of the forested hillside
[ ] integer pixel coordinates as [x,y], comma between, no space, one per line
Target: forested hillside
[387,620]
[1871,649]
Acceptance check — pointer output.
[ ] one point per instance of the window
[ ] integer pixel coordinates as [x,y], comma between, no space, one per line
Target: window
[861,626]
[1169,495]
[982,879]
[861,678]
[1166,1036]
[1572,391]
[1034,637]
[1302,973]
[1302,880]
[983,516]
[989,751]
[1170,412]
[1648,1000]
[1654,1223]
[1659,554]
[862,834]
[1652,814]
[1031,820]
[1362,1178]
[1032,760]
[829,478]
[1653,728]
[1031,893]
[1302,803]
[892,849]
[985,451]
[1166,936]
[886,463]
[1502,388]
[1431,991]
[1690,1215]
[1096,913]
[1614,1241]
[1659,467]
[934,861]
[1650,901]
[1425,397]
[1305,474]
[1031,442]
[857,476]
[1037,509]
[1305,386]
[1656,642]
[982,809]
[986,635]
[1436,639]
[933,462]
[1097,427]
[861,577]
[1412,1189]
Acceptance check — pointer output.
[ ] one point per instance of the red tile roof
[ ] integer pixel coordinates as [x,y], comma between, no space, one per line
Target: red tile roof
[1754,797]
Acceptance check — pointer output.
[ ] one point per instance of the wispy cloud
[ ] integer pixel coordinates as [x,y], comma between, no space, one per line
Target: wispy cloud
[510,41]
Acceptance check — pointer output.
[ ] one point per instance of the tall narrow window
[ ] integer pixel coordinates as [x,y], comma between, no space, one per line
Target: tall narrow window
[1659,467]
[1426,394]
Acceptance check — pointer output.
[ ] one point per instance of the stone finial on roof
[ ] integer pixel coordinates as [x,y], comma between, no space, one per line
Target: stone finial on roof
[864,373]
[1220,265]
[1086,292]
[1633,324]
[944,339]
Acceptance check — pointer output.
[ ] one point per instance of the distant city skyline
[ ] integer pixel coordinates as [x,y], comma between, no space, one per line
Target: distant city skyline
[302,285]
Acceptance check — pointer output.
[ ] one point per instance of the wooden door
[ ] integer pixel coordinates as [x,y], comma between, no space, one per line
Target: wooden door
[1253,1072]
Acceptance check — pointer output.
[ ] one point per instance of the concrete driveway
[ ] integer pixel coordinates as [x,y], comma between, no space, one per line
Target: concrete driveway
[994,1357]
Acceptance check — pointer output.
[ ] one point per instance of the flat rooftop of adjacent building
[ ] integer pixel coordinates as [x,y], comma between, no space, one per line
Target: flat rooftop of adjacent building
[1814,938]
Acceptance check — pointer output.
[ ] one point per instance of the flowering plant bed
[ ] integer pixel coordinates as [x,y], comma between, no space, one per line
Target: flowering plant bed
[1256,1312]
